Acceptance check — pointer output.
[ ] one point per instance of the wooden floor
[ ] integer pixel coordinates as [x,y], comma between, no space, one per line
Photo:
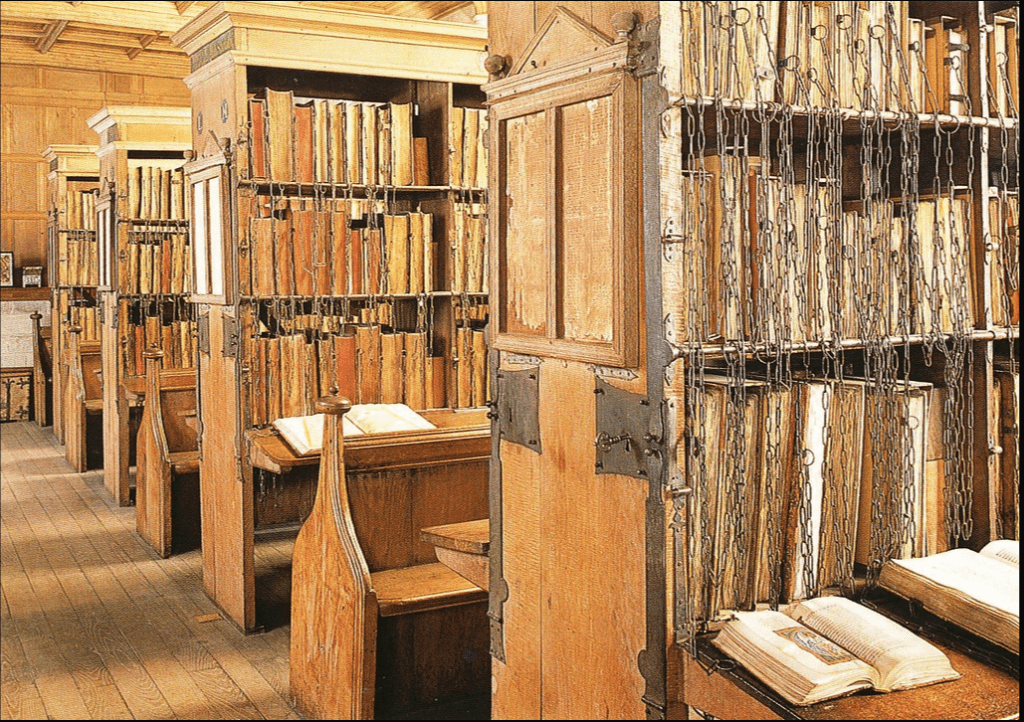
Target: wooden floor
[96,626]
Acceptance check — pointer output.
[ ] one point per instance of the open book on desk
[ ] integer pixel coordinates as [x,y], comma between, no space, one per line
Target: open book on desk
[305,434]
[830,647]
[979,591]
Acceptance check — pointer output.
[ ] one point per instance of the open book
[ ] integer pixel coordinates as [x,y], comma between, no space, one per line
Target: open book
[830,647]
[305,434]
[978,591]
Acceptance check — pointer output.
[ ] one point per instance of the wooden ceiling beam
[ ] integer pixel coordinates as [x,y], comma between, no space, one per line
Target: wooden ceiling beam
[183,6]
[50,35]
[75,3]
[144,42]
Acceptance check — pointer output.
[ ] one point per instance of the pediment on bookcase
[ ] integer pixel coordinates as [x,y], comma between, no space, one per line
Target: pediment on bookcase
[563,36]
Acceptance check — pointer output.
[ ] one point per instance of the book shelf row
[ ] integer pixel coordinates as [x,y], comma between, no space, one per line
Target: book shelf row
[157,263]
[366,365]
[87,317]
[77,258]
[176,339]
[795,484]
[793,262]
[156,190]
[307,247]
[299,140]
[80,210]
[853,55]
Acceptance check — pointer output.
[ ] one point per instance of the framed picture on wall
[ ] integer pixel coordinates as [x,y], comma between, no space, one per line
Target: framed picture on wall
[6,268]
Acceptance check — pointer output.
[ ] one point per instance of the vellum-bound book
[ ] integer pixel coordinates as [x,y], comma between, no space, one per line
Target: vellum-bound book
[977,591]
[305,434]
[830,647]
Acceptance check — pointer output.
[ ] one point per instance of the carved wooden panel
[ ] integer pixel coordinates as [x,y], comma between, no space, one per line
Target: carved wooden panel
[567,221]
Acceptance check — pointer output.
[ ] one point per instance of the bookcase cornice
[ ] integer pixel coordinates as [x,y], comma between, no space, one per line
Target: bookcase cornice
[301,38]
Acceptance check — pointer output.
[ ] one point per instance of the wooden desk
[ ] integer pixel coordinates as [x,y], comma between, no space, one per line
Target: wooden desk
[463,548]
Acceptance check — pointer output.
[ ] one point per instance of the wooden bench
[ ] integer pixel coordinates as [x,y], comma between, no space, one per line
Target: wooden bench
[167,513]
[83,403]
[378,626]
[42,371]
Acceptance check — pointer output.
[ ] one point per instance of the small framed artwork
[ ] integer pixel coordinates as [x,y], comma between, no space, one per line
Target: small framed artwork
[6,268]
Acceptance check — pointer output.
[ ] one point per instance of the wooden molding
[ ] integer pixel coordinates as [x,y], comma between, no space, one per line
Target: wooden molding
[183,6]
[49,37]
[144,42]
[92,58]
[24,294]
[345,41]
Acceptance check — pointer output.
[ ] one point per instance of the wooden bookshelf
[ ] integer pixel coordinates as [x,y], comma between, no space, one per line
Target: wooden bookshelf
[73,170]
[839,223]
[291,230]
[143,256]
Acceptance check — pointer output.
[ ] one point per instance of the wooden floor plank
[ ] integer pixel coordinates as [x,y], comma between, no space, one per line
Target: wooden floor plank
[95,626]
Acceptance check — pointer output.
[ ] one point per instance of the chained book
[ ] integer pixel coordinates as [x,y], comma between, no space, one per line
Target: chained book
[979,591]
[305,434]
[830,647]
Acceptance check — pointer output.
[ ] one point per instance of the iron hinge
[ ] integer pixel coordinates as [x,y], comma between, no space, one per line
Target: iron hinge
[230,338]
[203,334]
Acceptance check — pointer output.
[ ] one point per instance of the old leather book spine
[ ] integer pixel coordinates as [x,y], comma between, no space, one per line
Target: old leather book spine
[339,251]
[355,258]
[392,348]
[464,368]
[396,238]
[455,127]
[337,167]
[479,368]
[280,117]
[353,143]
[302,247]
[373,248]
[416,270]
[345,366]
[401,144]
[384,150]
[321,141]
[421,162]
[281,230]
[274,379]
[368,144]
[470,143]
[321,240]
[304,140]
[257,140]
[368,370]
[293,375]
[415,371]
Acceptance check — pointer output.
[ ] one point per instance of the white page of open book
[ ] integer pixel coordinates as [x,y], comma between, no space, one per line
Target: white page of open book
[973,575]
[1004,550]
[881,642]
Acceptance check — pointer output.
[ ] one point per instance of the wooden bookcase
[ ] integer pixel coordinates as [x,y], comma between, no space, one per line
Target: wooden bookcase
[73,170]
[732,220]
[259,302]
[144,289]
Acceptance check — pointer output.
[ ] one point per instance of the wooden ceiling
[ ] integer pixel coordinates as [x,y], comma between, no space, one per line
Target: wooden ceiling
[134,37]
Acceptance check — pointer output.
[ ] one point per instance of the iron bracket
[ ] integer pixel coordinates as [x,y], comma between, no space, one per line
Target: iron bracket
[230,340]
[203,334]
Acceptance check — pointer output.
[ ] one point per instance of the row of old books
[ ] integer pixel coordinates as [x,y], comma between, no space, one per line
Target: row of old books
[342,142]
[336,248]
[329,141]
[468,242]
[78,259]
[88,318]
[157,263]
[794,262]
[81,210]
[156,192]
[793,487]
[368,366]
[176,339]
[852,55]
[466,147]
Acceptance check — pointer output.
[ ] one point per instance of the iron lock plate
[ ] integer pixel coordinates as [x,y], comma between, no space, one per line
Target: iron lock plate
[518,407]
[629,431]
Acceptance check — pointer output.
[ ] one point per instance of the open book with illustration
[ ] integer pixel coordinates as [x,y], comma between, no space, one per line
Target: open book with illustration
[979,591]
[305,434]
[830,647]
